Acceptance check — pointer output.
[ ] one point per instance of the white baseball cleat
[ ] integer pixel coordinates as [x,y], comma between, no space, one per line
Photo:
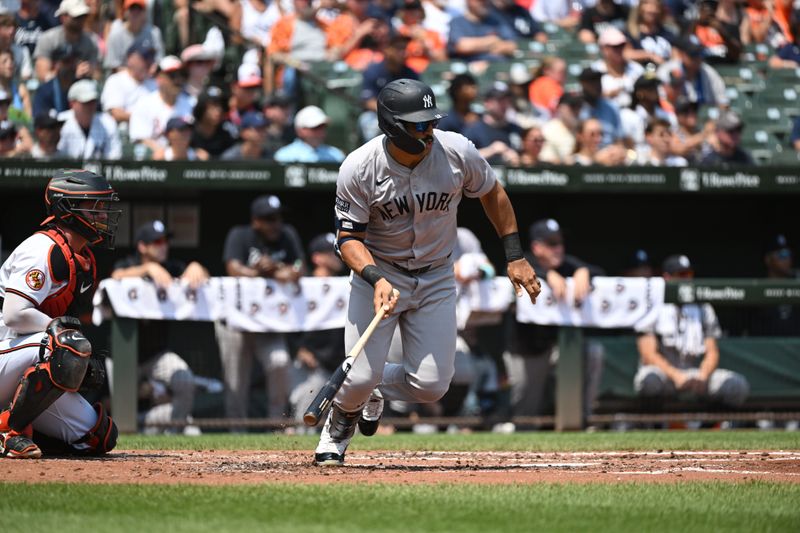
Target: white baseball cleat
[335,437]
[371,414]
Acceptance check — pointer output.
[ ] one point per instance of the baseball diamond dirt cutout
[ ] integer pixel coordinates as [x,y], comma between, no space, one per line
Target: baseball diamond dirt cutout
[214,467]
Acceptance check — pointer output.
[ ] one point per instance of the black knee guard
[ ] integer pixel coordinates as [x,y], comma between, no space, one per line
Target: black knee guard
[42,384]
[102,438]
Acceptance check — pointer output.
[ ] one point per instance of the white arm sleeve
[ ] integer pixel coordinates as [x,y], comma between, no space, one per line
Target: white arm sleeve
[20,315]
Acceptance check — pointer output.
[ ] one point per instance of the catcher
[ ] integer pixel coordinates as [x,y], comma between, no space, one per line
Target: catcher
[44,358]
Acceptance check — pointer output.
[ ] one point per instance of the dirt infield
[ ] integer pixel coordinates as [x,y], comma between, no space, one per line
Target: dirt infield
[228,467]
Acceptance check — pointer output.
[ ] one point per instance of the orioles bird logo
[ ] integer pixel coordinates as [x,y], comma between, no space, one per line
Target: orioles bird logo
[35,279]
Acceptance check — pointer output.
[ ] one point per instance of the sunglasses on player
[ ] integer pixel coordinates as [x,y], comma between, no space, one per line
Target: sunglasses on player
[421,127]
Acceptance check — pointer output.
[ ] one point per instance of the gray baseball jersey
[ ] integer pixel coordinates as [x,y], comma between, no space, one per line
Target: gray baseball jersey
[411,213]
[410,220]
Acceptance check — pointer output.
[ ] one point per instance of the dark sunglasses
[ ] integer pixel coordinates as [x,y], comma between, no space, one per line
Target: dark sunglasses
[683,274]
[421,127]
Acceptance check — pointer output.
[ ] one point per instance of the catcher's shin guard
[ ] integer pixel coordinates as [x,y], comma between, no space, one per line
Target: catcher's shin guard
[102,438]
[42,384]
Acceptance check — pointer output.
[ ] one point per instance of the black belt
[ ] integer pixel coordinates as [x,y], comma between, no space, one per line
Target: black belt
[1,303]
[421,270]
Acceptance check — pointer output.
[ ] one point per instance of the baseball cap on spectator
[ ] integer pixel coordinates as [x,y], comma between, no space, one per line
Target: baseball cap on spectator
[497,90]
[690,45]
[47,120]
[7,129]
[611,36]
[253,119]
[83,91]
[169,64]
[130,3]
[266,206]
[65,51]
[177,123]
[322,243]
[143,47]
[248,75]
[9,7]
[73,8]
[683,105]
[546,230]
[196,52]
[777,243]
[729,121]
[152,231]
[589,74]
[676,264]
[310,117]
[519,74]
[571,99]
[412,5]
[648,80]
[639,258]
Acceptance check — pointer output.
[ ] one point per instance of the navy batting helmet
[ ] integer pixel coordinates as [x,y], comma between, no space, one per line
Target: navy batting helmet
[406,100]
[68,196]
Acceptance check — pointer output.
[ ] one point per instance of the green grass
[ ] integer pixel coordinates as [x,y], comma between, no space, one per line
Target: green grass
[751,506]
[531,441]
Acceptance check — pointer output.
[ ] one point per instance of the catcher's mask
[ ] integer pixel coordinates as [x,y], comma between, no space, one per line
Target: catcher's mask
[80,200]
[408,101]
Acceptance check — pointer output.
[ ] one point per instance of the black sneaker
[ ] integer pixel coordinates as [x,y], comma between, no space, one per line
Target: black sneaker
[371,414]
[18,446]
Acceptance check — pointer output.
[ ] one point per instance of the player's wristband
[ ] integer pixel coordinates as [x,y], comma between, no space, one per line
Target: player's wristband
[371,274]
[512,247]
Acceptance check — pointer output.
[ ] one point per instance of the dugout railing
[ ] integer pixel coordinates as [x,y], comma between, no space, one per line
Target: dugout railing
[569,371]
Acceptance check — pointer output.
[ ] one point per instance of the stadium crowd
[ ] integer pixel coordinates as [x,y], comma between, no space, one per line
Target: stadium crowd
[98,79]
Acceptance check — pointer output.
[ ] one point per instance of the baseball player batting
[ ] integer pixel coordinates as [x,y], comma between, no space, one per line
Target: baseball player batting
[44,357]
[396,202]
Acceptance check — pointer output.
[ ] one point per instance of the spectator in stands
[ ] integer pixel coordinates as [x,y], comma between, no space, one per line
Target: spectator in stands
[639,265]
[178,133]
[297,39]
[53,93]
[271,249]
[559,132]
[532,144]
[767,21]
[604,15]
[533,350]
[589,149]
[88,134]
[213,133]
[23,68]
[20,97]
[559,12]
[31,22]
[199,63]
[725,145]
[123,89]
[463,92]
[280,130]
[788,55]
[688,140]
[599,107]
[619,74]
[318,353]
[778,320]
[424,45]
[245,93]
[9,147]
[376,76]
[679,350]
[478,36]
[150,114]
[357,34]
[548,84]
[658,146]
[496,139]
[72,14]
[22,141]
[650,41]
[98,23]
[168,382]
[645,107]
[311,125]
[721,40]
[518,19]
[523,113]
[253,20]
[692,77]
[47,129]
[253,136]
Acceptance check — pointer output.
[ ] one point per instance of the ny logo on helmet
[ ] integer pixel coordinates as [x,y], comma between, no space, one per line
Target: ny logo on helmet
[427,101]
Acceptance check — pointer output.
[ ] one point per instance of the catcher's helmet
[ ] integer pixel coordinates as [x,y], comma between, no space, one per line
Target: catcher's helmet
[406,100]
[64,196]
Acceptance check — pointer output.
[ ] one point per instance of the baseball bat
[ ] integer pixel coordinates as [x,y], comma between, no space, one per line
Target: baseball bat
[325,396]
